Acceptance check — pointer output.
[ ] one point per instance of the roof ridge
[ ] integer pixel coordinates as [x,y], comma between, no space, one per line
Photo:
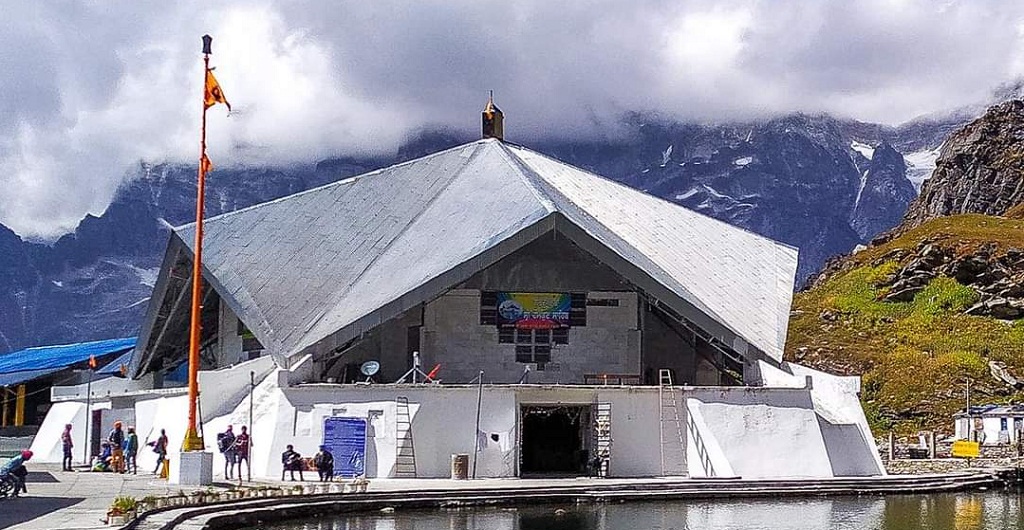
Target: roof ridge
[343,181]
[642,192]
[369,265]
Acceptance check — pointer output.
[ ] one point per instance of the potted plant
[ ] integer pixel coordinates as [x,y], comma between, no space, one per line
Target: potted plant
[122,510]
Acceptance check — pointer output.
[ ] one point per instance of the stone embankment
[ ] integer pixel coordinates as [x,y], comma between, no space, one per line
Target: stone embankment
[446,494]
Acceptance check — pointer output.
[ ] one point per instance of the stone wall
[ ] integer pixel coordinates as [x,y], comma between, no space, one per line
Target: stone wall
[454,338]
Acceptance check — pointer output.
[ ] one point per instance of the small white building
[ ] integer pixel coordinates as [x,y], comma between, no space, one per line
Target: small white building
[609,325]
[990,424]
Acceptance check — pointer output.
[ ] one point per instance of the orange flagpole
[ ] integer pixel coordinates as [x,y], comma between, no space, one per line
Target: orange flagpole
[192,441]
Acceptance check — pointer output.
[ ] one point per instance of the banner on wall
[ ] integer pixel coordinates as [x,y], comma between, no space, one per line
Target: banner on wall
[345,438]
[534,310]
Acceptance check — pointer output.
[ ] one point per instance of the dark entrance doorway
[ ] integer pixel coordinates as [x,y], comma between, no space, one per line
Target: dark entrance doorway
[555,439]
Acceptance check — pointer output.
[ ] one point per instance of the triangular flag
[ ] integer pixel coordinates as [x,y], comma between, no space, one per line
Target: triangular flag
[214,94]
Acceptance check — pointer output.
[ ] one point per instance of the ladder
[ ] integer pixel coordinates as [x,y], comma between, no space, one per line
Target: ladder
[603,437]
[405,453]
[673,440]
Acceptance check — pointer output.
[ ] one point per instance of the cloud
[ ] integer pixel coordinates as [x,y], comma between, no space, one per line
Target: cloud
[89,89]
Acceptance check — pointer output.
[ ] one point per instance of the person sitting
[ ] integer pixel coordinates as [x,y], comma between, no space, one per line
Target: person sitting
[291,461]
[102,462]
[324,462]
[15,467]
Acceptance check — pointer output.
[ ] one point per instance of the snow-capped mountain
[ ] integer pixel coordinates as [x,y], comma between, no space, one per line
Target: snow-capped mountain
[815,182]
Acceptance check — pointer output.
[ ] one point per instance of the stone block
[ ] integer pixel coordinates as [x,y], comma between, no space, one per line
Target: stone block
[195,468]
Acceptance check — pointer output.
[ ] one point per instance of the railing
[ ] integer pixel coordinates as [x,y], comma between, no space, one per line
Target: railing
[611,379]
[12,445]
[698,441]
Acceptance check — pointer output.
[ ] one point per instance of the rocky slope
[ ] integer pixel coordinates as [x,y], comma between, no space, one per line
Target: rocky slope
[918,315]
[815,182]
[980,168]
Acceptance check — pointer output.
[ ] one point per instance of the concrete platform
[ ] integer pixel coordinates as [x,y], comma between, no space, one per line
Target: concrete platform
[79,500]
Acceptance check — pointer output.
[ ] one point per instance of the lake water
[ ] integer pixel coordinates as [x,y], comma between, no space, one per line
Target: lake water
[960,511]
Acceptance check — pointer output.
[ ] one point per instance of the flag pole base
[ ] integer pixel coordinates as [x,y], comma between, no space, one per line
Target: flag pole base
[192,442]
[192,468]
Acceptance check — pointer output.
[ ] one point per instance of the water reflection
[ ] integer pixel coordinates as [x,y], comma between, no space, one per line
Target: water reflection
[967,511]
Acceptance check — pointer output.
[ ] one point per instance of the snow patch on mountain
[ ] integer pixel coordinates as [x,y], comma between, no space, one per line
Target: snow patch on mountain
[920,165]
[864,149]
[743,161]
[147,277]
[860,190]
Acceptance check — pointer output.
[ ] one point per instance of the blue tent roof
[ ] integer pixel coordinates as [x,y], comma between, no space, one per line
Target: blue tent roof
[114,367]
[13,378]
[46,357]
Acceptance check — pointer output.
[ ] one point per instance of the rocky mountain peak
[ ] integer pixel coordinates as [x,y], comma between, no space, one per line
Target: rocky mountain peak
[980,168]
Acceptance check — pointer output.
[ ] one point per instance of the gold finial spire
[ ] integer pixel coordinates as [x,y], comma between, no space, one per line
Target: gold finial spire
[493,120]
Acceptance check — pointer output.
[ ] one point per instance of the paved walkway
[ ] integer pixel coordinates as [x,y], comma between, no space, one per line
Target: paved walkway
[75,500]
[79,500]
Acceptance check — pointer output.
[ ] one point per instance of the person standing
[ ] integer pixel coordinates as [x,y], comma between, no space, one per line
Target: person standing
[324,462]
[66,444]
[291,461]
[226,445]
[160,448]
[116,439]
[131,451]
[242,445]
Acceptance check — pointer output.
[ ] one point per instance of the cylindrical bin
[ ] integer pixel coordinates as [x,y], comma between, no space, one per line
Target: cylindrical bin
[460,467]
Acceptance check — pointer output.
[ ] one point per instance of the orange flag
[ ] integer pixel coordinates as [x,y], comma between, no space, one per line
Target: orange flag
[214,94]
[92,362]
[205,164]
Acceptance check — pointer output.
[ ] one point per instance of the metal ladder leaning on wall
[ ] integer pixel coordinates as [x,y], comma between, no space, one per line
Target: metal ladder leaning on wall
[673,440]
[405,453]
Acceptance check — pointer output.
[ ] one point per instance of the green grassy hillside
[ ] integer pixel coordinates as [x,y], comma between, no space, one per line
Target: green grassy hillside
[915,357]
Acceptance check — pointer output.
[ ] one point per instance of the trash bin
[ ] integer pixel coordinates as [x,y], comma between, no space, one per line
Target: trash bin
[460,467]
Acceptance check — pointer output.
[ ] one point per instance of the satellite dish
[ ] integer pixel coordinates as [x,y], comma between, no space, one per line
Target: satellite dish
[370,368]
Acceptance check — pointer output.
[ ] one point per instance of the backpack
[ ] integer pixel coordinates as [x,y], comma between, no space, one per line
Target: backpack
[223,442]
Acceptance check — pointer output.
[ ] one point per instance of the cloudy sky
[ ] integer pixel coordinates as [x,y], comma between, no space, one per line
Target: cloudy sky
[87,89]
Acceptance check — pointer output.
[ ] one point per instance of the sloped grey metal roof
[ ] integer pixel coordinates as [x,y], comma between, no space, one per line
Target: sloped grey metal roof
[299,269]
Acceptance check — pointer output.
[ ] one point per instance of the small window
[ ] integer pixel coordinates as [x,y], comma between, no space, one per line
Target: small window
[560,336]
[506,335]
[524,336]
[542,336]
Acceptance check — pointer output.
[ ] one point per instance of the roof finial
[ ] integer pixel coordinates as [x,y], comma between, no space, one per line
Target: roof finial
[493,120]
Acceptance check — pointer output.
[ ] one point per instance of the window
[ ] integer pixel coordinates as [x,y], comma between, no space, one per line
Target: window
[506,335]
[560,336]
[488,308]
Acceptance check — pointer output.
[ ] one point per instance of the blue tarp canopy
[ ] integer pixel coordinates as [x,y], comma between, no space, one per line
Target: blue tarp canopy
[55,358]
[114,367]
[14,378]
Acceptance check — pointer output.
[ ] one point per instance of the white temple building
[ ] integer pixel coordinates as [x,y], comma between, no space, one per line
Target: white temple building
[613,330]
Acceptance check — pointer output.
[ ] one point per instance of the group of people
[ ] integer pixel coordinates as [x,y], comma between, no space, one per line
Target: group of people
[118,453]
[291,461]
[235,449]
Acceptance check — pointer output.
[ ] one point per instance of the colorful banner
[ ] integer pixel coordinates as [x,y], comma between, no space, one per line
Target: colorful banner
[534,310]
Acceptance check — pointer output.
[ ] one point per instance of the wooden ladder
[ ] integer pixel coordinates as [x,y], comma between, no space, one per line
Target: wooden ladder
[405,452]
[672,434]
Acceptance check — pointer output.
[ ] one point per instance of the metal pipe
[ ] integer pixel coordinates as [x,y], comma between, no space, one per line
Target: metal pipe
[476,432]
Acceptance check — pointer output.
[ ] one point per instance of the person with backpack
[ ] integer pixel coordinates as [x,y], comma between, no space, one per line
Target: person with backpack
[131,451]
[116,439]
[324,462]
[226,445]
[160,448]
